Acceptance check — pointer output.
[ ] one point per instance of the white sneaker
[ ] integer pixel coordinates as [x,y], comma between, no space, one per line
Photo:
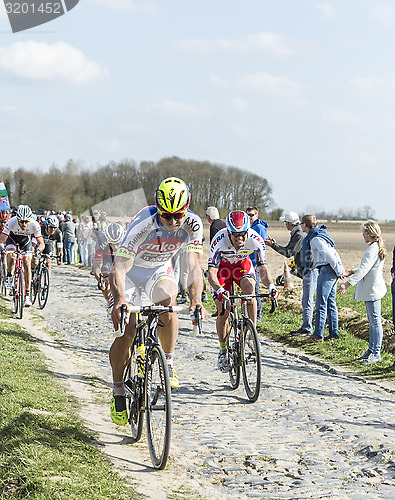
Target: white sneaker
[8,282]
[373,358]
[28,302]
[223,365]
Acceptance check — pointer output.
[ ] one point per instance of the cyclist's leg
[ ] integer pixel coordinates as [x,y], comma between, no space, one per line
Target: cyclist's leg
[11,257]
[119,357]
[27,261]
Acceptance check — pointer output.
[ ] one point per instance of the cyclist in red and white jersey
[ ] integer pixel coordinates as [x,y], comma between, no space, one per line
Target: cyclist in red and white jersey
[4,217]
[229,262]
[144,261]
[19,230]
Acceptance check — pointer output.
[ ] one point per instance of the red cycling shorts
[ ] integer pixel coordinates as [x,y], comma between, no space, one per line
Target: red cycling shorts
[234,272]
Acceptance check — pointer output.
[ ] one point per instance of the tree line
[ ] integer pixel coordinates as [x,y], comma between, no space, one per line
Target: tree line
[77,188]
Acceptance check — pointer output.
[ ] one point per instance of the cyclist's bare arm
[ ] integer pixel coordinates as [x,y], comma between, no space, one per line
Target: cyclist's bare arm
[3,237]
[121,266]
[40,243]
[265,275]
[195,285]
[96,268]
[212,277]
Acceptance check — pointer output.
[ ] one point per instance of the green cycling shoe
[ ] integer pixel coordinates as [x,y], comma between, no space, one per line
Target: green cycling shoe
[119,415]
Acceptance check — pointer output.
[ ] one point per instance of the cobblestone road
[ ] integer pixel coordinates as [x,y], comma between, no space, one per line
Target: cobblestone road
[313,433]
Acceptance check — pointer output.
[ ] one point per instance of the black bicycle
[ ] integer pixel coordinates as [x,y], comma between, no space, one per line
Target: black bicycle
[243,345]
[40,281]
[3,271]
[147,382]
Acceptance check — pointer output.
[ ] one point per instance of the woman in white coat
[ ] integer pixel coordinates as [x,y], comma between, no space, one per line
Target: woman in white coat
[370,287]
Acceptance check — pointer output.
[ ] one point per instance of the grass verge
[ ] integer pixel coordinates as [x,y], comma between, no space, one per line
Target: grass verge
[45,451]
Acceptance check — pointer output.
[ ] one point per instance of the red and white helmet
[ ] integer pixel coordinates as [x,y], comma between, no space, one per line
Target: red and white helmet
[237,221]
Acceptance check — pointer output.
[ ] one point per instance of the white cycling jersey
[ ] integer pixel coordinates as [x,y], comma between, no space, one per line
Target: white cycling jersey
[149,243]
[12,228]
[223,252]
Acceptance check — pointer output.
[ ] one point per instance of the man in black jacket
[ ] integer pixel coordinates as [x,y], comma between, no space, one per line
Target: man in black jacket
[215,222]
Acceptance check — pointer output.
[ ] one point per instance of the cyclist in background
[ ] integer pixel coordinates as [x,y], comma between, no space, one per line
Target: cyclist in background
[105,250]
[52,234]
[19,230]
[229,262]
[143,261]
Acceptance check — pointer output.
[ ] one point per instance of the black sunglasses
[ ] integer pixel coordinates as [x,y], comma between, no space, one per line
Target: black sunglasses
[239,233]
[250,215]
[168,216]
[24,221]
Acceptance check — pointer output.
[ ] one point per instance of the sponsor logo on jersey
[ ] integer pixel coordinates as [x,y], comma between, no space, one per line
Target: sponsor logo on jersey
[192,223]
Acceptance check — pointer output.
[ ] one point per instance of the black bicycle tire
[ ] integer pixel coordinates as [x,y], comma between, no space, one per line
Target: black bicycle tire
[136,424]
[233,354]
[21,294]
[158,456]
[34,285]
[252,389]
[42,300]
[14,291]
[3,269]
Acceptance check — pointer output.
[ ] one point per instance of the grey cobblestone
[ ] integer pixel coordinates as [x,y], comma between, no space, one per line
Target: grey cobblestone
[313,433]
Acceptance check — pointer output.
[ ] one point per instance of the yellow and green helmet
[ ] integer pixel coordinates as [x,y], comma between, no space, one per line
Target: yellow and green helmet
[172,196]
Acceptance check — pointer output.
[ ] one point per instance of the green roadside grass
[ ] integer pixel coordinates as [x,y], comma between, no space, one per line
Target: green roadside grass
[45,450]
[342,352]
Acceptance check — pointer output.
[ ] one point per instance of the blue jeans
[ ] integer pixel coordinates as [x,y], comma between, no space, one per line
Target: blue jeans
[68,248]
[325,303]
[393,300]
[309,288]
[373,310]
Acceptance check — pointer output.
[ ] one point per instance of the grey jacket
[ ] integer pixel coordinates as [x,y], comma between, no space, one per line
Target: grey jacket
[294,248]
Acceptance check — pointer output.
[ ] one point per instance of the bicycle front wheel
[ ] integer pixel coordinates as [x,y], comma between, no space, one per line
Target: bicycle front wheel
[20,294]
[34,285]
[251,360]
[233,353]
[134,390]
[3,277]
[158,407]
[43,288]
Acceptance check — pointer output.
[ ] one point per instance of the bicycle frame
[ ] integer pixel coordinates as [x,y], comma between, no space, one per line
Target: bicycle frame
[18,291]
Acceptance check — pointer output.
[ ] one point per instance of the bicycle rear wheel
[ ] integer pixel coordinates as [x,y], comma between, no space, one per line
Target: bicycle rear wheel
[3,276]
[158,407]
[20,294]
[251,360]
[233,353]
[134,391]
[43,288]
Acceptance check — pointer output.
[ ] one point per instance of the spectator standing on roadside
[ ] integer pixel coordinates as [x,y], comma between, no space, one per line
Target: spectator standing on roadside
[370,287]
[320,247]
[308,275]
[294,247]
[260,226]
[215,222]
[68,238]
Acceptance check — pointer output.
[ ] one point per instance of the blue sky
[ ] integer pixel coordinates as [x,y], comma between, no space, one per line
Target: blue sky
[298,91]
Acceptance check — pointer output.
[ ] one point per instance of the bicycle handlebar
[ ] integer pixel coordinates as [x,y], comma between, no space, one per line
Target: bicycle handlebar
[252,296]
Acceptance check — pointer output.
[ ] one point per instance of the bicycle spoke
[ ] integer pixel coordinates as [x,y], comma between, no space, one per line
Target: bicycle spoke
[134,389]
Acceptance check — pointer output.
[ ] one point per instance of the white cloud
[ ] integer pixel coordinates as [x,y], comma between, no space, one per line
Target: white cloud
[259,82]
[109,146]
[7,109]
[328,10]
[367,84]
[263,43]
[178,109]
[42,61]
[239,104]
[384,13]
[150,8]
[341,116]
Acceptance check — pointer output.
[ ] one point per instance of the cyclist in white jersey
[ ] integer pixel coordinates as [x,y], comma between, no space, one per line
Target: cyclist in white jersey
[229,262]
[143,261]
[20,230]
